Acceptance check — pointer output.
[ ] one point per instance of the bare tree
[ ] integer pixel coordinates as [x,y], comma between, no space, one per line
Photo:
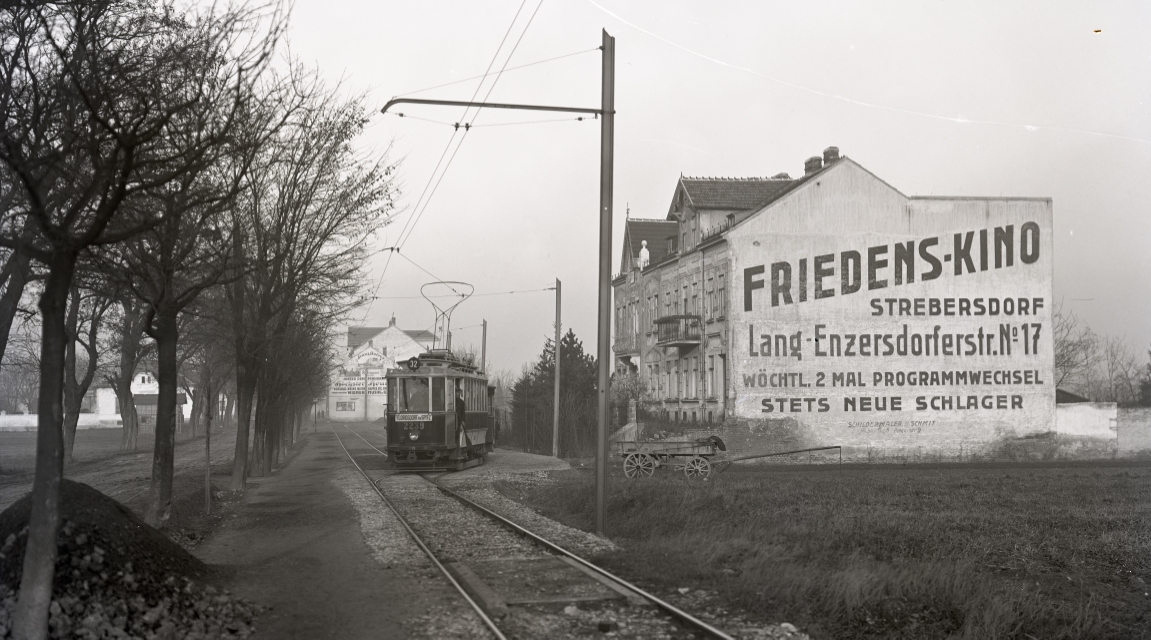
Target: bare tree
[1115,376]
[310,205]
[128,329]
[86,312]
[1076,348]
[91,92]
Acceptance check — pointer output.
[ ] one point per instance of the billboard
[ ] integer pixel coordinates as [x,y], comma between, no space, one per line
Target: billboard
[915,324]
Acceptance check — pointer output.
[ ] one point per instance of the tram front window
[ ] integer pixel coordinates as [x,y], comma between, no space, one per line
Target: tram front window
[413,394]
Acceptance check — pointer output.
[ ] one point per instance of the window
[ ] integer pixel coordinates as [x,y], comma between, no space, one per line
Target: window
[722,297]
[678,382]
[694,379]
[413,394]
[710,377]
[439,401]
[345,406]
[710,300]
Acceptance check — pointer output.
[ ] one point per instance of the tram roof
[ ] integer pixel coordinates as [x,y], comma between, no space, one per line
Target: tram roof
[439,361]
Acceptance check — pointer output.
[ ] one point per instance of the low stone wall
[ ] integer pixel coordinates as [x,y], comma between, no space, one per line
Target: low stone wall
[27,421]
[1134,432]
[1082,431]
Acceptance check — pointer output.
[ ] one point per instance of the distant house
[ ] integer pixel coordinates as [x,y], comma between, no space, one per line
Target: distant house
[356,391]
[102,401]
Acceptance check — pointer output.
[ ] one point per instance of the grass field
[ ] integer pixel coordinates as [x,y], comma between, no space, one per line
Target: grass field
[989,551]
[18,448]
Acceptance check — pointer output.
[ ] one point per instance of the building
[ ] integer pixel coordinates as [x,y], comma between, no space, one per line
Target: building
[357,390]
[832,309]
[672,293]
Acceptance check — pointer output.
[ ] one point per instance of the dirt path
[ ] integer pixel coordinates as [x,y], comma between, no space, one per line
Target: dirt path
[315,544]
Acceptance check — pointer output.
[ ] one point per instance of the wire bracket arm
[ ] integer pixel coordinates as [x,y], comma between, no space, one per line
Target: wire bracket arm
[489,105]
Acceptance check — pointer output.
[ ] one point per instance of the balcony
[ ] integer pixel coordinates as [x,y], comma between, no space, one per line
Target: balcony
[678,331]
[625,344]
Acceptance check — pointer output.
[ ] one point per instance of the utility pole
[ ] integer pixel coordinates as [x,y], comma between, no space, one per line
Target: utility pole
[556,402]
[606,113]
[484,350]
[607,148]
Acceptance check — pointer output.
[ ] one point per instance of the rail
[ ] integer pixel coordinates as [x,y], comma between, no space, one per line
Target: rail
[491,625]
[666,606]
[671,609]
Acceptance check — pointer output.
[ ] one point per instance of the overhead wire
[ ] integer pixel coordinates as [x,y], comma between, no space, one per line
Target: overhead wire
[516,68]
[416,211]
[854,101]
[467,128]
[474,295]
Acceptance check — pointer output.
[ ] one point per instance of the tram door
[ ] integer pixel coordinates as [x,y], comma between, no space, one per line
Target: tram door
[453,385]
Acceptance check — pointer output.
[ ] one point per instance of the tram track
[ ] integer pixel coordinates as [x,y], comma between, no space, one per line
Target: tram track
[487,604]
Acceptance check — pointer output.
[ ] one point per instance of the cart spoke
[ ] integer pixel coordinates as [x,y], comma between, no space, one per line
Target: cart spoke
[697,467]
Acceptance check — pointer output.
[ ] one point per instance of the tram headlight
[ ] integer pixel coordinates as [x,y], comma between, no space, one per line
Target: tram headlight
[413,435]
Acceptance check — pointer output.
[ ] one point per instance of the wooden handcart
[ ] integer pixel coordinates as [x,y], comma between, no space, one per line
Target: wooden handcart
[642,458]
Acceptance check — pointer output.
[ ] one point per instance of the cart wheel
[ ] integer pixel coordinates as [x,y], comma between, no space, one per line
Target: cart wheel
[638,465]
[697,467]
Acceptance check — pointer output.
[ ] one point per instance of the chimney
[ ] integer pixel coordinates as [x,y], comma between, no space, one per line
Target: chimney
[781,176]
[813,164]
[830,155]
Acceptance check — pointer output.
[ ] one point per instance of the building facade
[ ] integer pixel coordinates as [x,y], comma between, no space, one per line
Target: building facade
[357,390]
[837,311]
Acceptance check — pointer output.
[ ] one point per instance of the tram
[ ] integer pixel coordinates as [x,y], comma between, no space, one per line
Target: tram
[424,432]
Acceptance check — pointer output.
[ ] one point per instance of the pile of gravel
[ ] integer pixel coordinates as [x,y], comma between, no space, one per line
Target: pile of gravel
[117,577]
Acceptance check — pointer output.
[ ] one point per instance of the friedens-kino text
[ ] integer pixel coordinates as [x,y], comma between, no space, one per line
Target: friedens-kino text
[892,265]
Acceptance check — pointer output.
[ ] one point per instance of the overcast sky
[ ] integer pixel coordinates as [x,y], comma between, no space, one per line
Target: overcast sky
[1047,99]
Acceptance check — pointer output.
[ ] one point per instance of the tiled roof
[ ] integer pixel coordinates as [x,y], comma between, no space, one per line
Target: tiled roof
[656,232]
[732,193]
[360,335]
[419,335]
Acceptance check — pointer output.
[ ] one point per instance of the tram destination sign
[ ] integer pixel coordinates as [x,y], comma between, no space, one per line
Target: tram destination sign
[413,417]
[925,330]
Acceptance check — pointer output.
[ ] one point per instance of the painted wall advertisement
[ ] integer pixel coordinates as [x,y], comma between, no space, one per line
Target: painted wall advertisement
[935,333]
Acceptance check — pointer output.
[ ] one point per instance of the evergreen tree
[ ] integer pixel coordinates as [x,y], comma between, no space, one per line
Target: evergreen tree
[533,396]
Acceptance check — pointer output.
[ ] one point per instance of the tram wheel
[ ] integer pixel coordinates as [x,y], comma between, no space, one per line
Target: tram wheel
[637,465]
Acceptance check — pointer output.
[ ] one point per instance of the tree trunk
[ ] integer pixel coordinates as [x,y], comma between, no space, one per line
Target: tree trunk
[72,394]
[35,595]
[19,268]
[166,334]
[229,408]
[130,333]
[245,390]
[197,396]
[128,416]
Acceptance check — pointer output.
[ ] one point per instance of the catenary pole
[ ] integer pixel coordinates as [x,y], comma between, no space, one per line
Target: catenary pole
[607,142]
[484,350]
[556,397]
[607,147]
